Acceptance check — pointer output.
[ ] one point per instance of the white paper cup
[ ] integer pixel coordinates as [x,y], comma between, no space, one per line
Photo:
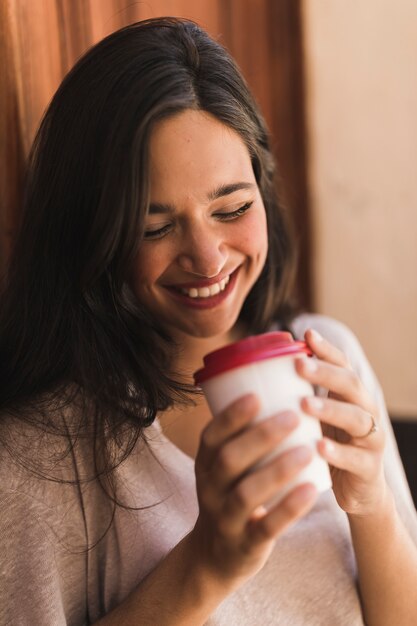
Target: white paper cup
[264,365]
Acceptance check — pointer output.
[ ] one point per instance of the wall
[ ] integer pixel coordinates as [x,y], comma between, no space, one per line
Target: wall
[360,60]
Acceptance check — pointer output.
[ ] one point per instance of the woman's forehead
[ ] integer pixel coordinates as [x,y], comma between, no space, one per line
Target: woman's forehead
[196,152]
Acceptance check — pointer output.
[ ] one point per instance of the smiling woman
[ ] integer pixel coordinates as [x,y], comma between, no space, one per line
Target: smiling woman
[206,249]
[152,234]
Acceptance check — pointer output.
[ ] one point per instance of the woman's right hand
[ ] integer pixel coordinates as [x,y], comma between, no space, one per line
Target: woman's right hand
[234,533]
[233,536]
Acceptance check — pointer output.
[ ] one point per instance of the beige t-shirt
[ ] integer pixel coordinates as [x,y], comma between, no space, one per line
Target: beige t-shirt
[47,578]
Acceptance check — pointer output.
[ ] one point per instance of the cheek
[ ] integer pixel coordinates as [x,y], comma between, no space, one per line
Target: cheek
[142,267]
[254,235]
[146,269]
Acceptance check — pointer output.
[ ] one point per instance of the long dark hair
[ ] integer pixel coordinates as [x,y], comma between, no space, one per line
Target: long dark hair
[71,331]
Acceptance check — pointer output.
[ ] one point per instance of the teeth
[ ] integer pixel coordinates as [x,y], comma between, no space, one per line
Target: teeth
[206,292]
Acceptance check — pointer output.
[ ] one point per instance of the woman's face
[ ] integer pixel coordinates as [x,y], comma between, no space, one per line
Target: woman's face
[205,239]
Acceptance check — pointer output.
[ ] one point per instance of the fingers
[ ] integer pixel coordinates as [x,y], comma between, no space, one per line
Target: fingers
[289,510]
[325,350]
[231,421]
[340,381]
[357,461]
[242,452]
[233,442]
[332,371]
[351,418]
[260,486]
[231,485]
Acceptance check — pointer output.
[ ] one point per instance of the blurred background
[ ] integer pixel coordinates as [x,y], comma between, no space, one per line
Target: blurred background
[337,84]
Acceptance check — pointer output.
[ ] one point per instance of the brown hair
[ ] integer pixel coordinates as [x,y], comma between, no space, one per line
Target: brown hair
[68,318]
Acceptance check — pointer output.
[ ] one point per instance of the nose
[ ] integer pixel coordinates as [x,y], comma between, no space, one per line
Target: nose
[203,252]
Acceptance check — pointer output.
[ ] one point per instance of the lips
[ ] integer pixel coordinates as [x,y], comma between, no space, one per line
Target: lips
[199,284]
[204,293]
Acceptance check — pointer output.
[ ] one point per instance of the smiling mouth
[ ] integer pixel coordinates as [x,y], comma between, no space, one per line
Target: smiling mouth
[205,295]
[206,292]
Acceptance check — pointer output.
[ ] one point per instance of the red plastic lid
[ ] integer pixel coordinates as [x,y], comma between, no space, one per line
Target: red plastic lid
[250,350]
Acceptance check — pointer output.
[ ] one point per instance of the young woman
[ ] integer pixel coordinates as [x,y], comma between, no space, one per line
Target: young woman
[152,235]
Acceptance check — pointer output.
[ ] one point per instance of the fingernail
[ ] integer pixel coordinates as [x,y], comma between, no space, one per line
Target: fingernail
[249,403]
[316,335]
[302,496]
[286,419]
[248,400]
[315,403]
[302,454]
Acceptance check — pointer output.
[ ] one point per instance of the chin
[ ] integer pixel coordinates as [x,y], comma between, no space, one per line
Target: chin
[207,332]
[212,328]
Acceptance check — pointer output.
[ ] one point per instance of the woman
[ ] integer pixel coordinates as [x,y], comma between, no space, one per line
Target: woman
[151,236]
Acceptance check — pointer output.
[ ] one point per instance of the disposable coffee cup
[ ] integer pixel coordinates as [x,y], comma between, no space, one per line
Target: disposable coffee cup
[265,365]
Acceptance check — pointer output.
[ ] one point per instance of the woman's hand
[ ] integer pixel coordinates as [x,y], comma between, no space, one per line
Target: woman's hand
[234,533]
[352,447]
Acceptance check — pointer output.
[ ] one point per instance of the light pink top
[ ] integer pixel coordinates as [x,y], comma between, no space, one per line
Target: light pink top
[47,579]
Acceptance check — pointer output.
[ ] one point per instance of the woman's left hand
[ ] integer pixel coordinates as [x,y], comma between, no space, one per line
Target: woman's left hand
[351,446]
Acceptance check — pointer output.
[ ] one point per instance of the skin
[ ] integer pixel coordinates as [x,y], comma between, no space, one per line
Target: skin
[191,154]
[356,460]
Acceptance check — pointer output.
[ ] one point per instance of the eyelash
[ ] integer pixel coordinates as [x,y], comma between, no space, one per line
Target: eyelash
[223,217]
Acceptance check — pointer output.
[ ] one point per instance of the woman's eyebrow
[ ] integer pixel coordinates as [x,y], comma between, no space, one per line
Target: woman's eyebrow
[225,190]
[218,192]
[157,207]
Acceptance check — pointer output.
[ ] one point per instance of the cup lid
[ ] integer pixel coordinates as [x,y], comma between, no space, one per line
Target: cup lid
[249,350]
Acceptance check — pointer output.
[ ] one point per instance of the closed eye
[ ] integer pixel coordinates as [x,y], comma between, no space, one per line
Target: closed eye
[158,232]
[232,215]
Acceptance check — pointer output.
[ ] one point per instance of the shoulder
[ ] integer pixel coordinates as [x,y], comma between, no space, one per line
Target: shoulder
[39,473]
[38,487]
